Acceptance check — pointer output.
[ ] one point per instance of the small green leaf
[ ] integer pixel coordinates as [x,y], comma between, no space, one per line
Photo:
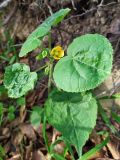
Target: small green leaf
[21,101]
[43,54]
[35,38]
[11,116]
[11,109]
[47,70]
[36,116]
[67,112]
[12,60]
[18,80]
[87,64]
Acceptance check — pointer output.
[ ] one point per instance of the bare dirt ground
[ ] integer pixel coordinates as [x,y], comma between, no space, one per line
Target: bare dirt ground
[20,140]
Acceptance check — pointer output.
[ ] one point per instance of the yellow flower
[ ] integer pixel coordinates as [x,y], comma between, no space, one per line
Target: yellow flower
[57,52]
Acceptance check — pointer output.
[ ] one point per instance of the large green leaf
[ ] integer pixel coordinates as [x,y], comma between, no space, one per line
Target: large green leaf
[34,39]
[87,64]
[73,114]
[19,80]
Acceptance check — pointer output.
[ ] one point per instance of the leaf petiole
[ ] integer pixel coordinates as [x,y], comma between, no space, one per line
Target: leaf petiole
[41,68]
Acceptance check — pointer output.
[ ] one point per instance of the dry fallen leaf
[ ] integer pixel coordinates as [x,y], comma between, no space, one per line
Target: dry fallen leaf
[17,137]
[15,157]
[114,147]
[28,130]
[38,155]
[29,150]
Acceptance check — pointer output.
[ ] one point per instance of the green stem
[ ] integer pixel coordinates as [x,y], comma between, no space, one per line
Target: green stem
[50,40]
[50,64]
[40,68]
[65,152]
[49,88]
[50,75]
[70,150]
[45,135]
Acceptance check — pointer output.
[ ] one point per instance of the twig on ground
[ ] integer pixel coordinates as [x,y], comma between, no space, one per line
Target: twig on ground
[62,42]
[49,7]
[4,3]
[17,45]
[91,10]
[117,45]
[101,3]
[73,4]
[110,91]
[17,22]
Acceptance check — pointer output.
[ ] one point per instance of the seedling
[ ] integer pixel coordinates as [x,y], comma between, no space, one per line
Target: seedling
[8,52]
[71,107]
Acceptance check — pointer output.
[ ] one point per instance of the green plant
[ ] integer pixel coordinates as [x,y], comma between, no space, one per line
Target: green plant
[36,116]
[18,79]
[2,153]
[71,107]
[9,51]
[10,110]
[11,115]
[21,101]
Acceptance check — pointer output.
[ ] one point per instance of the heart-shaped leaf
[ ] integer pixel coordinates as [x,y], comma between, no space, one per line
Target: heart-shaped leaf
[73,114]
[87,64]
[18,80]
